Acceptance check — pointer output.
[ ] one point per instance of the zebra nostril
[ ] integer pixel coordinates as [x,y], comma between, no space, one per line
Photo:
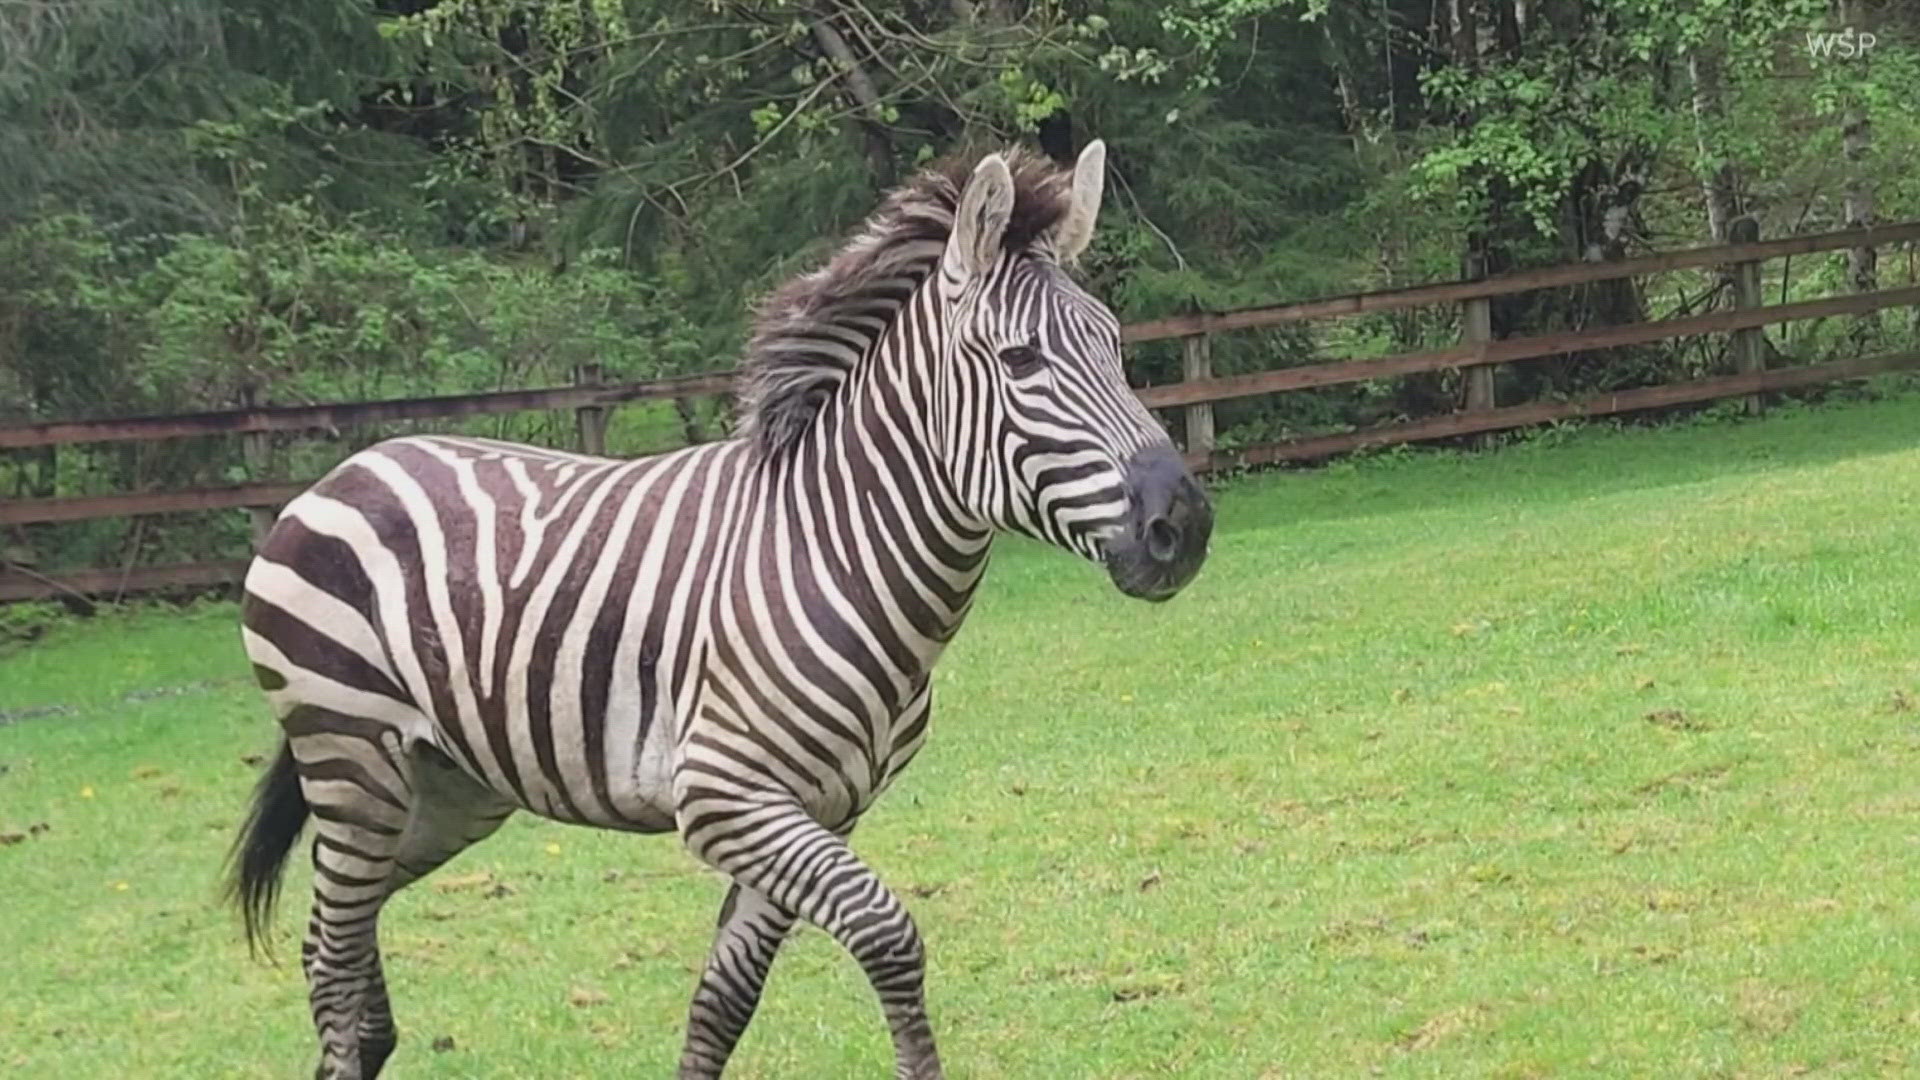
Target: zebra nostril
[1163,540]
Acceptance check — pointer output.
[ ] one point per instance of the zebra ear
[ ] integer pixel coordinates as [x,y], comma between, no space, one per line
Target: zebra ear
[1075,231]
[980,222]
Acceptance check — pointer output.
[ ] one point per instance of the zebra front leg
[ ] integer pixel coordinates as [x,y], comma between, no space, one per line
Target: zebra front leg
[378,1036]
[750,931]
[801,866]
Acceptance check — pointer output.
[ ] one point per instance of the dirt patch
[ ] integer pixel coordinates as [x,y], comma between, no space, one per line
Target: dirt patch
[1677,720]
[8,839]
[1689,780]
[132,697]
[34,712]
[1443,1026]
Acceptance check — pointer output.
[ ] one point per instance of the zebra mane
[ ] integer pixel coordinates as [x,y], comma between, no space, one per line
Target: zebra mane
[810,333]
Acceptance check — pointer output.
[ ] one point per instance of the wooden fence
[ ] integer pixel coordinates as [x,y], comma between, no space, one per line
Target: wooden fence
[1476,356]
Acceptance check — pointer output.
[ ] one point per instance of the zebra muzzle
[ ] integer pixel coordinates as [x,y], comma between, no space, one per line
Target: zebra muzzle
[1168,524]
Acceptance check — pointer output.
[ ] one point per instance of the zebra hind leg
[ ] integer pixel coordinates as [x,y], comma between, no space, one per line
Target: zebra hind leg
[450,812]
[750,931]
[384,817]
[803,867]
[361,798]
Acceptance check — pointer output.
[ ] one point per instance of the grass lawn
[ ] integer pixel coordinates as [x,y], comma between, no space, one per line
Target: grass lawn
[1594,756]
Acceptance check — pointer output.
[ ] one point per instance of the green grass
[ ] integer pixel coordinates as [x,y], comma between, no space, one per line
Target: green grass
[1599,756]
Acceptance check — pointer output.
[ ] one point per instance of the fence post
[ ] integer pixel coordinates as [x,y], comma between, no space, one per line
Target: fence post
[590,421]
[1196,354]
[1750,345]
[254,451]
[1476,328]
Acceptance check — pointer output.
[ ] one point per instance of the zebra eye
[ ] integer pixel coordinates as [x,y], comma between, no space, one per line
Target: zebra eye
[1021,360]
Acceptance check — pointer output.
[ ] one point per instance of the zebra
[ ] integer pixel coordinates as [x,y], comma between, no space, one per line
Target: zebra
[732,641]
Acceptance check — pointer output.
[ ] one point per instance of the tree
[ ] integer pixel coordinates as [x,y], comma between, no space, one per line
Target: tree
[127,107]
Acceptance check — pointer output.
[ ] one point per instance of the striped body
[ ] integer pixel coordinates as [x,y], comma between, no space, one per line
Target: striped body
[525,612]
[546,620]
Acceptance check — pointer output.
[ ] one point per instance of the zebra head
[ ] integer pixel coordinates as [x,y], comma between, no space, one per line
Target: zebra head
[1033,412]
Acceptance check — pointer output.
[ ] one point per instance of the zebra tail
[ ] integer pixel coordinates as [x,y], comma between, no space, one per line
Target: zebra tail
[259,853]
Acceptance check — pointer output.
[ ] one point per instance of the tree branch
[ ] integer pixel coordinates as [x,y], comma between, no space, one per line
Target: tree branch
[873,125]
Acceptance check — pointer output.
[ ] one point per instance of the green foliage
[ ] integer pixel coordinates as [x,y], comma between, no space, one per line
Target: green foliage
[216,200]
[1614,80]
[102,101]
[23,623]
[63,306]
[290,306]
[296,306]
[308,310]
[747,147]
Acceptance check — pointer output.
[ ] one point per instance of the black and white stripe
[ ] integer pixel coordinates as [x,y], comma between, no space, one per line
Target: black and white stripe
[732,641]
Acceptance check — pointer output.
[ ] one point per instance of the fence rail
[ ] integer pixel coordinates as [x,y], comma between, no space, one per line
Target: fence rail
[22,583]
[1453,292]
[270,418]
[1477,355]
[90,507]
[1541,412]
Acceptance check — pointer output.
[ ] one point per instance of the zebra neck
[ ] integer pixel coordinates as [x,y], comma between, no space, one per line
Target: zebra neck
[878,507]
